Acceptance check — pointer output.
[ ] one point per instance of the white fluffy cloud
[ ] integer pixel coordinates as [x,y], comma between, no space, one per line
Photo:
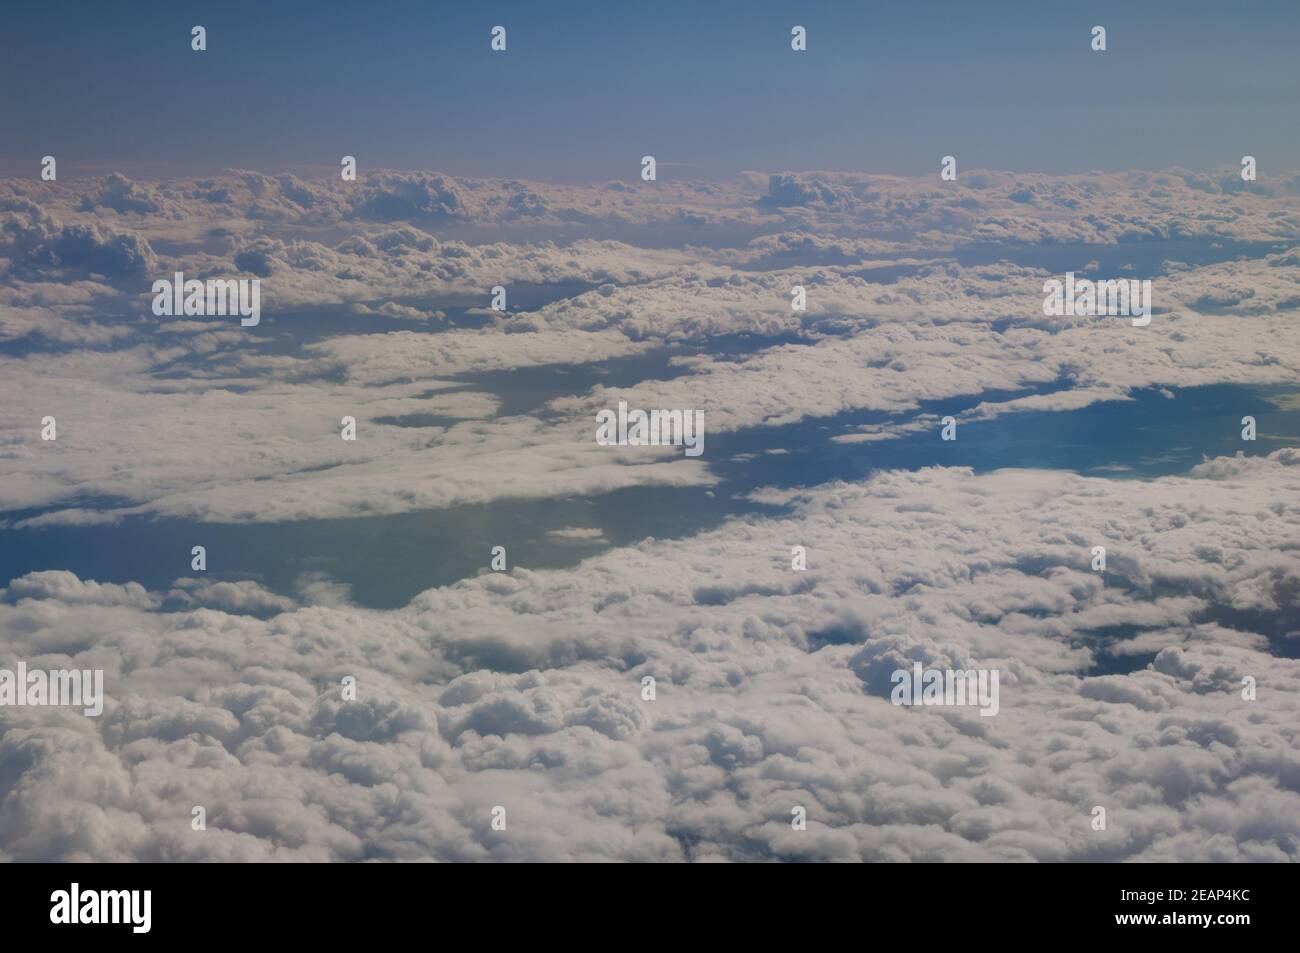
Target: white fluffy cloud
[202,418]
[523,690]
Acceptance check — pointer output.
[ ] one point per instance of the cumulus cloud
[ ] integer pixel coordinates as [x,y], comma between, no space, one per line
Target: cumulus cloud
[524,690]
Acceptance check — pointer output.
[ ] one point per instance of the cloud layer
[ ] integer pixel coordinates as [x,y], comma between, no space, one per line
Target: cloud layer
[360,282]
[523,690]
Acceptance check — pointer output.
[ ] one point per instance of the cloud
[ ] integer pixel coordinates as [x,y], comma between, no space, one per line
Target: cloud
[129,389]
[82,249]
[412,197]
[524,690]
[242,596]
[67,588]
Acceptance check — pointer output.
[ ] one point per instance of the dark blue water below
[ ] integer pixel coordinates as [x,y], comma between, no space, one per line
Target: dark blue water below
[388,559]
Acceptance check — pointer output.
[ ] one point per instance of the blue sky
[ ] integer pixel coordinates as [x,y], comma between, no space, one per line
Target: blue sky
[585,89]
